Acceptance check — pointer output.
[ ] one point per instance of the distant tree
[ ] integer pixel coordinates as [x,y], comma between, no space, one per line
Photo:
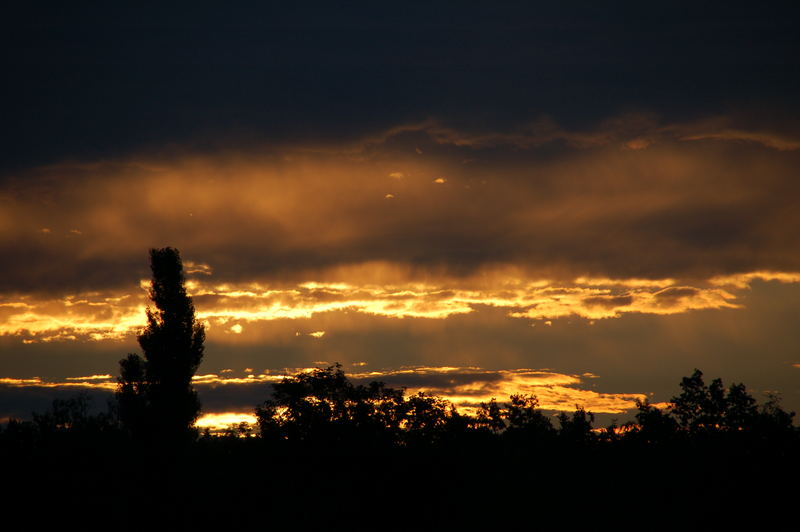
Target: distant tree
[576,428]
[706,409]
[491,417]
[713,413]
[431,419]
[520,422]
[700,408]
[774,418]
[653,425]
[526,419]
[131,395]
[155,394]
[322,406]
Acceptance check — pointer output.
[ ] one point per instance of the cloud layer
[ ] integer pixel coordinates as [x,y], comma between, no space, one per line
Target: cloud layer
[631,198]
[228,309]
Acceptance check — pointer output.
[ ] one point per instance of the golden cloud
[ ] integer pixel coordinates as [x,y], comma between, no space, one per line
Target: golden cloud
[223,420]
[594,230]
[226,308]
[92,382]
[468,387]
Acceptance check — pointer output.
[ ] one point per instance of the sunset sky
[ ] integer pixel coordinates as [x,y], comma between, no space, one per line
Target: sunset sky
[585,202]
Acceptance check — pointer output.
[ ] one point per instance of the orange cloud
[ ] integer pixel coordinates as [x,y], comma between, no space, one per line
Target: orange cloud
[92,382]
[555,391]
[226,308]
[594,230]
[223,420]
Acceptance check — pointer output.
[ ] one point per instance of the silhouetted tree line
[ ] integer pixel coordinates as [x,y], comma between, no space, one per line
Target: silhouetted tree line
[322,408]
[327,452]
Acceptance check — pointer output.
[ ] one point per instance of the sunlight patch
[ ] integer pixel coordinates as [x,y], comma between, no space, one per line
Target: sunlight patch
[223,420]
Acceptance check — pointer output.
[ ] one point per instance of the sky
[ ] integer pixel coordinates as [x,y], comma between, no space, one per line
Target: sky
[583,202]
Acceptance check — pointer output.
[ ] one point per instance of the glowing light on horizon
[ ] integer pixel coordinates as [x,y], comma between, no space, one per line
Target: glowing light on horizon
[223,420]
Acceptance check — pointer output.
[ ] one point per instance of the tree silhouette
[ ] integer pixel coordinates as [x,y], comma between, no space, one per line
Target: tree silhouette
[155,394]
[700,408]
[525,418]
[322,407]
[653,425]
[576,429]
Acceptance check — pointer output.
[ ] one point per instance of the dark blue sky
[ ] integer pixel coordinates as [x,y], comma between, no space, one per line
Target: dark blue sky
[95,80]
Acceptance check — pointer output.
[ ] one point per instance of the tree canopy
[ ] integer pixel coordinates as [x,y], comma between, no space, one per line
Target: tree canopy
[155,394]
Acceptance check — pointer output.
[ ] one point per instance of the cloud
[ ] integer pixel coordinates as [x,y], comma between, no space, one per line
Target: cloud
[554,203]
[634,131]
[218,421]
[92,382]
[468,387]
[190,267]
[228,307]
[767,139]
[743,280]
[548,224]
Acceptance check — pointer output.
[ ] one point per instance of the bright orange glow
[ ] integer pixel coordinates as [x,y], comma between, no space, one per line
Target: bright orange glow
[555,391]
[98,316]
[223,420]
[71,382]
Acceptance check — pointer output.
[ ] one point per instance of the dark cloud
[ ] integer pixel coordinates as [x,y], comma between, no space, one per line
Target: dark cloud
[688,209]
[98,82]
[233,398]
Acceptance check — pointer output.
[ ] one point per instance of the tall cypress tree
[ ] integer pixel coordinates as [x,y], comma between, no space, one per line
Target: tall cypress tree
[155,394]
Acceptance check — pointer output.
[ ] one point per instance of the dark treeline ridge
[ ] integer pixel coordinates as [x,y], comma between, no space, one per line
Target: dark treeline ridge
[330,453]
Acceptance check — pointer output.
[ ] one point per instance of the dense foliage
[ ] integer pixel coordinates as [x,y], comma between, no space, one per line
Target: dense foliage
[323,408]
[155,397]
